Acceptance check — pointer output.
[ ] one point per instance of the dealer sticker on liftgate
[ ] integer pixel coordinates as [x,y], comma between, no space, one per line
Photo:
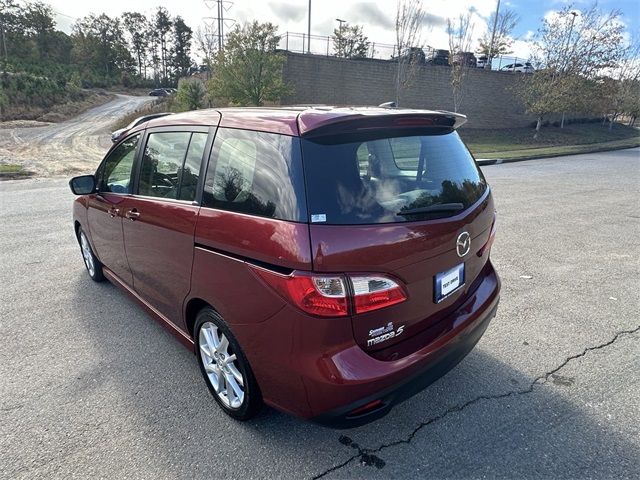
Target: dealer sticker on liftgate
[447,283]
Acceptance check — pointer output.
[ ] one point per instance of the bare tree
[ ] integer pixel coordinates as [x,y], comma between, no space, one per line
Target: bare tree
[502,40]
[460,32]
[409,22]
[207,44]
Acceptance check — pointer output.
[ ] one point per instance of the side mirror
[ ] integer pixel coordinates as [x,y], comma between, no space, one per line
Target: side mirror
[83,185]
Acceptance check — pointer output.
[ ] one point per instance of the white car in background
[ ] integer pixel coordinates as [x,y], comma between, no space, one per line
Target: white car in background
[518,67]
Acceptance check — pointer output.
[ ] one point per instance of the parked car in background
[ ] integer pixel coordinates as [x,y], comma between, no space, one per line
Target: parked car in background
[414,54]
[438,57]
[331,292]
[158,92]
[118,134]
[464,58]
[195,69]
[518,67]
[482,61]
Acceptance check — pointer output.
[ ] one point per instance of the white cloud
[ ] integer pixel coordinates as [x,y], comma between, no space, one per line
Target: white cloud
[377,17]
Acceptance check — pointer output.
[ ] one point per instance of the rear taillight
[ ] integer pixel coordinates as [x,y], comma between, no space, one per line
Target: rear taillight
[317,295]
[372,293]
[492,236]
[327,295]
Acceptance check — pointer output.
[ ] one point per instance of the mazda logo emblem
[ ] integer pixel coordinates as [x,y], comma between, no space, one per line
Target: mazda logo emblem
[463,244]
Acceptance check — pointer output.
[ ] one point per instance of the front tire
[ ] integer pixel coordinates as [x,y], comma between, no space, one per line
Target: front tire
[225,368]
[94,267]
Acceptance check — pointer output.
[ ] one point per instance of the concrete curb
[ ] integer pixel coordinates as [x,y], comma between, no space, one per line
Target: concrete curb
[486,161]
[496,161]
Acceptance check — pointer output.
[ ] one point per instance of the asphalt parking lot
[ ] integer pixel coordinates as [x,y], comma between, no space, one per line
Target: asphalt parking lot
[91,386]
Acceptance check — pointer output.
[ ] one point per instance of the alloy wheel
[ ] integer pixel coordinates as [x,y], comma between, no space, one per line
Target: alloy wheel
[87,254]
[219,363]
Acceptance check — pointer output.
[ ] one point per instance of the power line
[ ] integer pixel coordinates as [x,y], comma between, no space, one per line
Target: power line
[64,15]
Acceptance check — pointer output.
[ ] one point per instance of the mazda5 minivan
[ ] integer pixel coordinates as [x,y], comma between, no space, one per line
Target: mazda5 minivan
[329,262]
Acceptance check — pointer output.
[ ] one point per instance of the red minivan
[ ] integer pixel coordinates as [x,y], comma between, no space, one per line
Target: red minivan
[330,262]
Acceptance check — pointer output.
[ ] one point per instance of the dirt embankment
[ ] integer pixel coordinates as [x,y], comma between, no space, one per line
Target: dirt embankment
[70,147]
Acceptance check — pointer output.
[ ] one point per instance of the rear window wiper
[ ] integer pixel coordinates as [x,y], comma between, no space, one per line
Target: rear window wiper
[442,207]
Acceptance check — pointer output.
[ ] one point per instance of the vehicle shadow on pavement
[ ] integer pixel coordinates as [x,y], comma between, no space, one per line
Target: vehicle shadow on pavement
[467,424]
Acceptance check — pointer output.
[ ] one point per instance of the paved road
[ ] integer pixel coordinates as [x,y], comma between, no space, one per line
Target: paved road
[69,147]
[91,386]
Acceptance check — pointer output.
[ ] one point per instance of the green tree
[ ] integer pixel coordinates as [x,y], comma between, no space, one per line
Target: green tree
[350,42]
[100,47]
[39,26]
[161,27]
[249,71]
[568,49]
[181,48]
[153,56]
[136,25]
[10,27]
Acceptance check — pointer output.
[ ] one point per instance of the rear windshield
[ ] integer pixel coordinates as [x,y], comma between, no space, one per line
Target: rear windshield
[356,179]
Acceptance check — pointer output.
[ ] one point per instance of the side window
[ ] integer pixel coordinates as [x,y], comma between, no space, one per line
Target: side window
[171,165]
[406,152]
[256,173]
[115,173]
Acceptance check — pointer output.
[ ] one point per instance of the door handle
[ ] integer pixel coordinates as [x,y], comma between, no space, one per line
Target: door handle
[113,212]
[132,214]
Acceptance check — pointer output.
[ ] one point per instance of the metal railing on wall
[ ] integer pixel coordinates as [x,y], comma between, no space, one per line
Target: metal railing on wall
[323,45]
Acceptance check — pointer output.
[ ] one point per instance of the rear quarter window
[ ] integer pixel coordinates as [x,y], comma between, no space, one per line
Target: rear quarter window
[256,173]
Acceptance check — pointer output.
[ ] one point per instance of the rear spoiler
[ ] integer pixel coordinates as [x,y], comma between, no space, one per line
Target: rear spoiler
[390,120]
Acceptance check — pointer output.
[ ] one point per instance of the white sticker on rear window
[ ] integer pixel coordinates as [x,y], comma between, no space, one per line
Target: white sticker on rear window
[319,217]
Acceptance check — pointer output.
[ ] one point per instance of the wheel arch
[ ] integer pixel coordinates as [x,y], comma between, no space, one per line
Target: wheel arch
[76,229]
[194,305]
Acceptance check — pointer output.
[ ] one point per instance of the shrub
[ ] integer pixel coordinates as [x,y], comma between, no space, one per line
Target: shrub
[190,95]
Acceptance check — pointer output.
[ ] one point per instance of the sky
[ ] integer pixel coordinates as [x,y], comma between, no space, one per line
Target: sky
[376,17]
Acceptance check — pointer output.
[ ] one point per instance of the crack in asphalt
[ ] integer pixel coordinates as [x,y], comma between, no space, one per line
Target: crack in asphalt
[367,455]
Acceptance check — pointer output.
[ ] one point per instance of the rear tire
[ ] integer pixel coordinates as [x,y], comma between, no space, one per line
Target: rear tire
[224,367]
[91,262]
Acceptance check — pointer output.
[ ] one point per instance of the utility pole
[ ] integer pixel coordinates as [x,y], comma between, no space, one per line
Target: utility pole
[4,39]
[220,23]
[309,30]
[573,20]
[219,20]
[493,37]
[340,51]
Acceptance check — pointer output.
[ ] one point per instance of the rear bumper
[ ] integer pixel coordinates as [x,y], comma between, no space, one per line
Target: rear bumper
[388,383]
[449,358]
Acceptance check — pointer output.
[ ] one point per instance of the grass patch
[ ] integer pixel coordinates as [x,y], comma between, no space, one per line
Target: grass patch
[575,138]
[65,111]
[561,150]
[161,105]
[12,170]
